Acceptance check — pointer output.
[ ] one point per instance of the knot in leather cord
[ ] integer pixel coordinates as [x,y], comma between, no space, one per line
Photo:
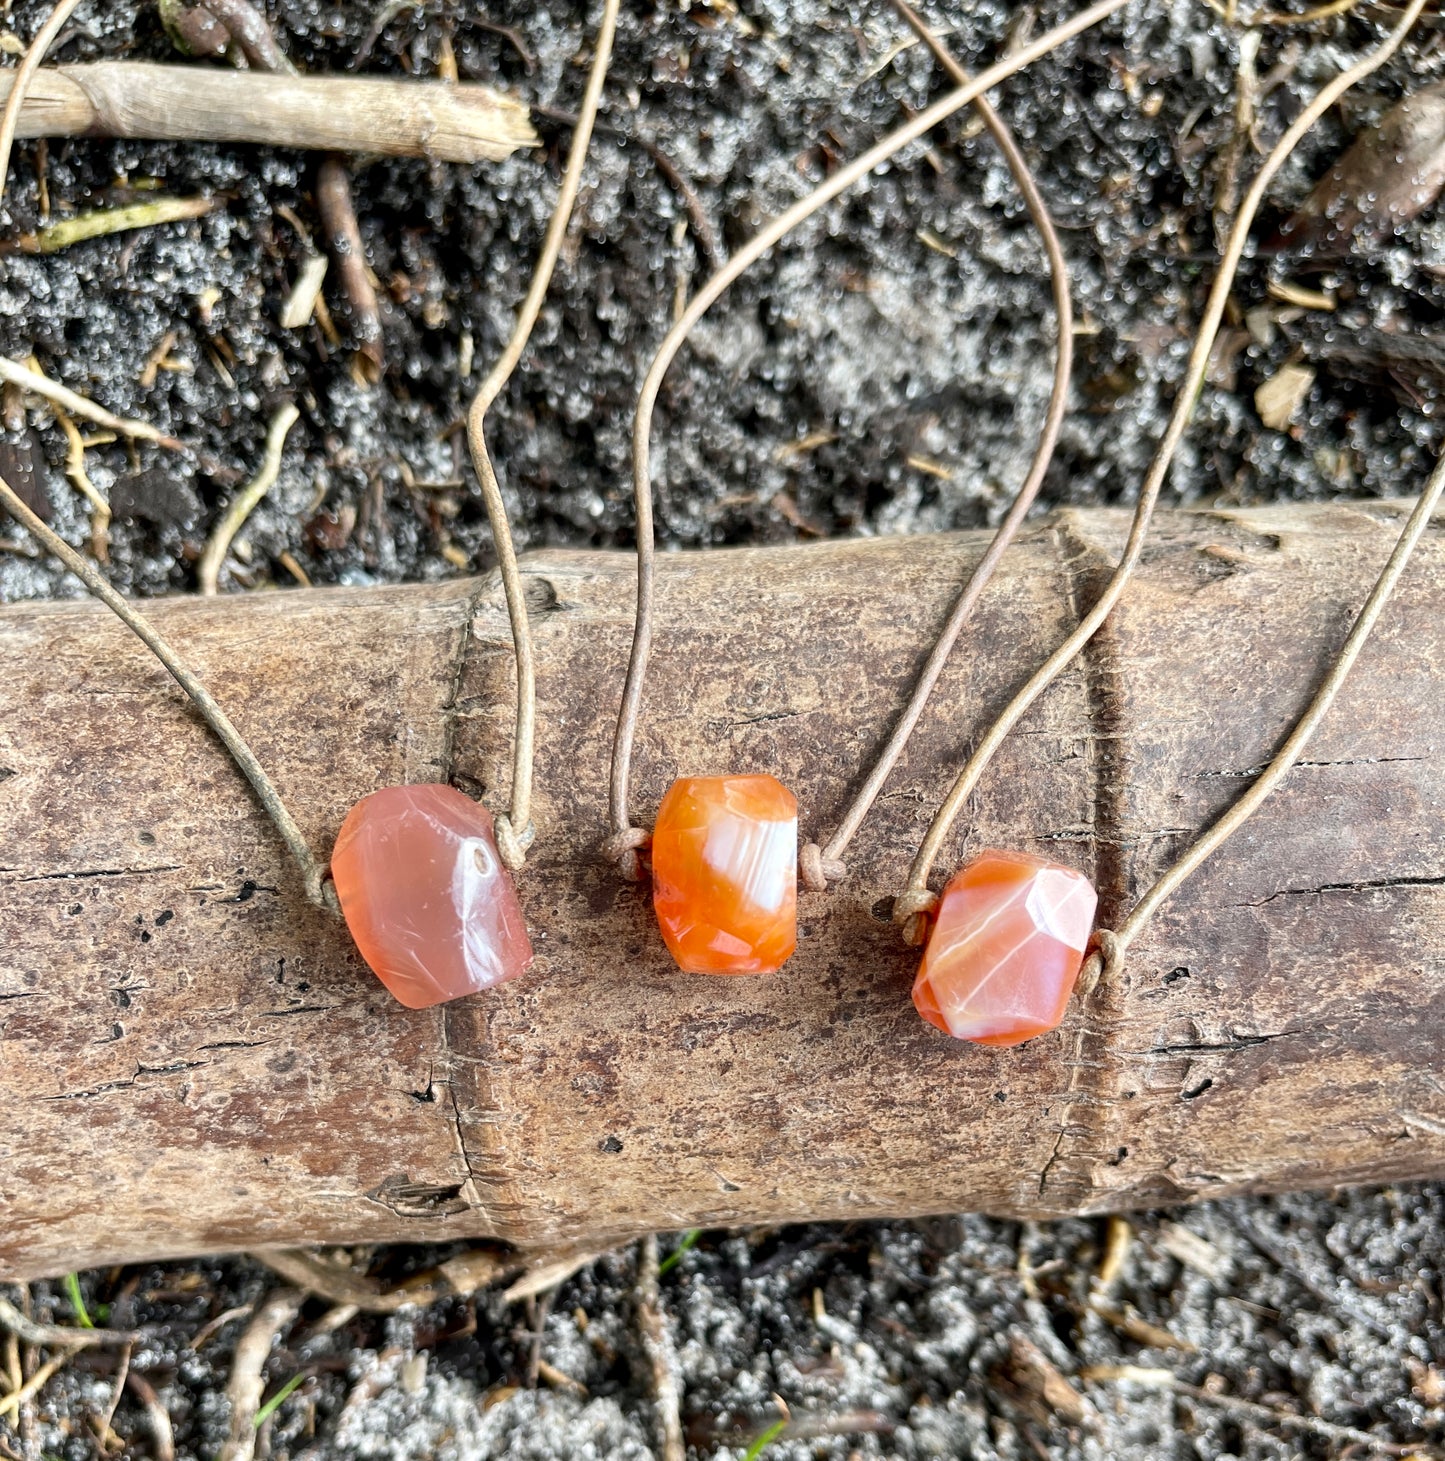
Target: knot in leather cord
[511,845]
[818,871]
[914,909]
[1110,949]
[622,849]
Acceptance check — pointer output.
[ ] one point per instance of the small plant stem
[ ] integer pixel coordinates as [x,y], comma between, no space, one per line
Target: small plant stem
[102,222]
[77,1301]
[514,829]
[208,571]
[13,373]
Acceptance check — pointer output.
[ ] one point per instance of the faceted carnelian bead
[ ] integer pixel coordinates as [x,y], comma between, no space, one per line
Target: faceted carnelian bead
[425,894]
[725,874]
[1005,949]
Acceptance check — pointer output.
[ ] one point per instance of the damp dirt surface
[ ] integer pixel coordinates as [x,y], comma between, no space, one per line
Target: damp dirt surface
[884,371]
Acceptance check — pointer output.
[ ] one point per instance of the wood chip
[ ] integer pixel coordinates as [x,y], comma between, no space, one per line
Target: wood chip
[1282,395]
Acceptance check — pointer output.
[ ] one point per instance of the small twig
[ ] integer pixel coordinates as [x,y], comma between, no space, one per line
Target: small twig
[10,1404]
[80,478]
[462,1275]
[1252,1410]
[300,304]
[386,115]
[657,1343]
[208,570]
[105,221]
[21,78]
[116,1391]
[547,1273]
[59,1336]
[250,31]
[539,1309]
[273,1317]
[343,238]
[12,372]
[514,829]
[157,1416]
[697,216]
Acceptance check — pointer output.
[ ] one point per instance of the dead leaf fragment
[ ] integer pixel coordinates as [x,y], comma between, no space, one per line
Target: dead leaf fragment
[1282,395]
[1393,171]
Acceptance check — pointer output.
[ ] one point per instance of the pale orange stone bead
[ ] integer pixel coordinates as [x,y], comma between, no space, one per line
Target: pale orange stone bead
[1006,947]
[425,895]
[725,874]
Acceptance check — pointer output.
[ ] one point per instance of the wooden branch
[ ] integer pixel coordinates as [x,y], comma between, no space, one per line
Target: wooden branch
[192,1058]
[398,118]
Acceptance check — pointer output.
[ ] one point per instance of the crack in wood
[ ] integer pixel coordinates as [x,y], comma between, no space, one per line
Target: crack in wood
[1368,885]
[92,872]
[1083,1146]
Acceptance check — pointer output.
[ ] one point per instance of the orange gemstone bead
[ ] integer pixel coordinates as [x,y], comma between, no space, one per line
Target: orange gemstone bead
[1006,948]
[426,896]
[725,874]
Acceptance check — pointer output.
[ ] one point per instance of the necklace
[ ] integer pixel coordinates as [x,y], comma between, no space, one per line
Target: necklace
[420,873]
[1006,942]
[724,849]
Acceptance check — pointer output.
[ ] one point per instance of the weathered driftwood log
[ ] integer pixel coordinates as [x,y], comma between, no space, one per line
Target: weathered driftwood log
[470,123]
[191,1058]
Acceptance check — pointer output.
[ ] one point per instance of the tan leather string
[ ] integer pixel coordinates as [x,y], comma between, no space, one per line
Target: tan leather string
[818,866]
[626,840]
[512,843]
[914,907]
[514,828]
[1112,946]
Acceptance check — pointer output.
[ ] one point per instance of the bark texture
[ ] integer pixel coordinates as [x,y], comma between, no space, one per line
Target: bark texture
[193,1059]
[471,123]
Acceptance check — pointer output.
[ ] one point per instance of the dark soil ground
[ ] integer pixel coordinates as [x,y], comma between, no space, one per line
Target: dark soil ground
[905,335]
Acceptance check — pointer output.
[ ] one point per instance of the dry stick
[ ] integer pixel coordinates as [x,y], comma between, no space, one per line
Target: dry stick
[210,711]
[343,237]
[386,115]
[10,1404]
[461,1275]
[818,865]
[59,1336]
[13,373]
[657,1342]
[915,904]
[163,1437]
[29,65]
[247,1382]
[114,1402]
[622,846]
[248,28]
[80,480]
[208,571]
[514,830]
